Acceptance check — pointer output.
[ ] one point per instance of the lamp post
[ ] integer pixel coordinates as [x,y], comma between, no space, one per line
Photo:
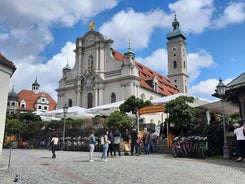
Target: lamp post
[221,93]
[65,109]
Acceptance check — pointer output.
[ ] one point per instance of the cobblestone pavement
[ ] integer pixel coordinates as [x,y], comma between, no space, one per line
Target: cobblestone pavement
[37,167]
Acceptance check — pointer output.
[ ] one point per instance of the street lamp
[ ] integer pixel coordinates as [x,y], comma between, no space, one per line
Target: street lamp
[221,94]
[65,109]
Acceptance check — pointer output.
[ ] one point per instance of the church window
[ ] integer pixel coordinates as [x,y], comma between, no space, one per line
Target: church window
[39,107]
[184,64]
[113,97]
[143,96]
[175,64]
[90,100]
[45,108]
[155,86]
[13,104]
[8,103]
[22,106]
[70,103]
[174,54]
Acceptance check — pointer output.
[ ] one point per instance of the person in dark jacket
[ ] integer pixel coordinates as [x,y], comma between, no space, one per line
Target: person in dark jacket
[134,145]
[147,141]
[117,142]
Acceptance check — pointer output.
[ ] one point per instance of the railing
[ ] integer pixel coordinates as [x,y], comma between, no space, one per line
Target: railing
[5,158]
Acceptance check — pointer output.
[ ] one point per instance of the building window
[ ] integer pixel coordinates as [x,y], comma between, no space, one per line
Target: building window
[22,106]
[184,64]
[143,96]
[90,100]
[175,64]
[39,107]
[13,104]
[70,103]
[113,97]
[45,108]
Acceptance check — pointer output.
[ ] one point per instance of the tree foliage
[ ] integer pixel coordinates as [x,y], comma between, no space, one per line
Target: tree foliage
[180,113]
[118,120]
[132,104]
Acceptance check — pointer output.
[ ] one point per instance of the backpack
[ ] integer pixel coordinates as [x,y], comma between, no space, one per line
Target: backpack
[102,140]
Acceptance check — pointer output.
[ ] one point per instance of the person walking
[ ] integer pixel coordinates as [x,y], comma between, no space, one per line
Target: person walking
[134,145]
[92,142]
[106,143]
[54,143]
[146,141]
[117,142]
[154,141]
[111,139]
[240,137]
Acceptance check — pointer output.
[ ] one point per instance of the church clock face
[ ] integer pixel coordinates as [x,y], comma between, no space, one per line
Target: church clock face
[174,49]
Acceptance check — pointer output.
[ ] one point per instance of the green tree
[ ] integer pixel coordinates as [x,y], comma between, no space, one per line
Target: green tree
[28,117]
[132,104]
[118,120]
[181,114]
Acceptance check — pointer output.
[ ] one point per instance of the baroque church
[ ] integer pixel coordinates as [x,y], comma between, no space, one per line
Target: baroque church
[30,100]
[101,75]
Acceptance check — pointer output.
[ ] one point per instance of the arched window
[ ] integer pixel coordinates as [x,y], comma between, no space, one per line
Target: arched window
[113,97]
[175,64]
[184,64]
[90,100]
[70,103]
[143,96]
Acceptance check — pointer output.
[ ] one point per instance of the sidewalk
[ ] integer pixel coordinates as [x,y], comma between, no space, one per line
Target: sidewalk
[37,167]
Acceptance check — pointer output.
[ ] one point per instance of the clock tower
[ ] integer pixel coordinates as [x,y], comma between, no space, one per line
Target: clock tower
[177,65]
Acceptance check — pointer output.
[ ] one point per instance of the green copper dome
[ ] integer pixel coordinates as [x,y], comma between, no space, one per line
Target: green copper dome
[129,51]
[67,67]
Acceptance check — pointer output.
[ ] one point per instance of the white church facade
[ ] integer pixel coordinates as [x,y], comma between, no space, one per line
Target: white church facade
[102,75]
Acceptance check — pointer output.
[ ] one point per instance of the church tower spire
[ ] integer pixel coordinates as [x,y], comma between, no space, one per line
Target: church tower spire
[35,87]
[177,65]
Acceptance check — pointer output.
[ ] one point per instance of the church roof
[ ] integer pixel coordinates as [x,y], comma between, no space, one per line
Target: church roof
[35,83]
[7,63]
[176,33]
[13,95]
[31,98]
[165,87]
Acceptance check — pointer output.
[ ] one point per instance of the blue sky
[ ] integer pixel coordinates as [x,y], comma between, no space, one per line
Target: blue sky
[39,37]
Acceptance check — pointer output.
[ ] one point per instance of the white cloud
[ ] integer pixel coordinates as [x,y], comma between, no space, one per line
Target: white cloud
[205,89]
[196,62]
[234,13]
[136,27]
[27,23]
[195,15]
[47,74]
[156,61]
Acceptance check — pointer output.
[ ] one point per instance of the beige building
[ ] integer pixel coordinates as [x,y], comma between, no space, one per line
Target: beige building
[102,75]
[7,68]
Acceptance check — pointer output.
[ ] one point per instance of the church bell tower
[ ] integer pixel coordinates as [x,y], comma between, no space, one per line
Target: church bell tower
[177,65]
